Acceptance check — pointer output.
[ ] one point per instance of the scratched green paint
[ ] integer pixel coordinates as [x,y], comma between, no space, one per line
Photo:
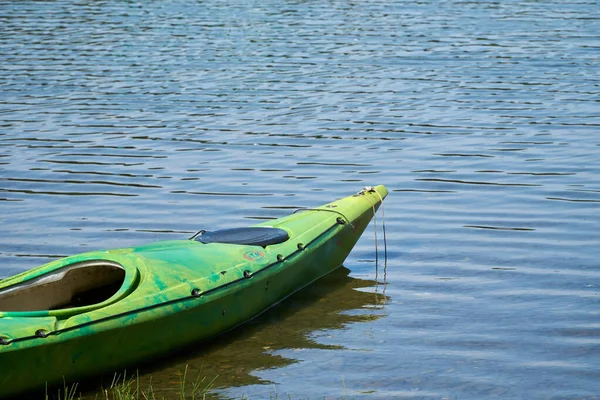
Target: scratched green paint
[154,313]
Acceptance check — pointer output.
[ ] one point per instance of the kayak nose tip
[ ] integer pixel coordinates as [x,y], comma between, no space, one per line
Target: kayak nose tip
[381,190]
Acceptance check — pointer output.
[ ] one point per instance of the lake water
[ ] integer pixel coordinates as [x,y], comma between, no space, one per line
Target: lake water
[123,123]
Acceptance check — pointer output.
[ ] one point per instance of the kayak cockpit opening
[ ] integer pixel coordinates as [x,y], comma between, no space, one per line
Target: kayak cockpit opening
[76,285]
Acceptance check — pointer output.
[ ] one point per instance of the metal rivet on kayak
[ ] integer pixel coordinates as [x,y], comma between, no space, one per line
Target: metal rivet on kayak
[196,292]
[340,221]
[300,246]
[247,274]
[280,258]
[331,206]
[3,341]
[41,333]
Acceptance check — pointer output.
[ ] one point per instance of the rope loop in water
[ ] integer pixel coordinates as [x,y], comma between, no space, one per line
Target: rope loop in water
[371,189]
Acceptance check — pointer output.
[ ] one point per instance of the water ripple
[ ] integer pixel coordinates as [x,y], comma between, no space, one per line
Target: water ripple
[124,123]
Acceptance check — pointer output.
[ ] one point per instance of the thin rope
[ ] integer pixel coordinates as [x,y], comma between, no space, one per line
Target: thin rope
[372,189]
[384,246]
[383,227]
[368,189]
[328,210]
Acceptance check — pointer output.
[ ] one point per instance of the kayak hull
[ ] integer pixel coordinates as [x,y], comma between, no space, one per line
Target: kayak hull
[173,294]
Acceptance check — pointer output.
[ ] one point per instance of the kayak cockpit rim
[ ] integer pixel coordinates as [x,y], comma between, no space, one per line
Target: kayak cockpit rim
[70,289]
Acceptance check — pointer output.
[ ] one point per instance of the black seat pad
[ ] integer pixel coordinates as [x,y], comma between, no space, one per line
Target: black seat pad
[252,236]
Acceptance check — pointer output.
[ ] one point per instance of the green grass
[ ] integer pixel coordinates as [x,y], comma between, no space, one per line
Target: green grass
[128,388]
[68,392]
[123,387]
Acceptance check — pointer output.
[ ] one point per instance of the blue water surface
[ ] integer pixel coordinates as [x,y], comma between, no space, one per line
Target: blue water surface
[123,123]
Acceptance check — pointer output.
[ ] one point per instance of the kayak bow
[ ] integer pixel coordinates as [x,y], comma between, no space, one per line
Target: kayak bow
[101,311]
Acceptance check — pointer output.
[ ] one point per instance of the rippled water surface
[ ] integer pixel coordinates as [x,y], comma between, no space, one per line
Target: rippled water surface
[123,123]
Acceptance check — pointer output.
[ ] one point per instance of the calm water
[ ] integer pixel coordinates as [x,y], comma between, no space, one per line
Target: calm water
[123,123]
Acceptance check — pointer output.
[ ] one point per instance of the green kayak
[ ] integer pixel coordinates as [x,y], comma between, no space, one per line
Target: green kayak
[103,310]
